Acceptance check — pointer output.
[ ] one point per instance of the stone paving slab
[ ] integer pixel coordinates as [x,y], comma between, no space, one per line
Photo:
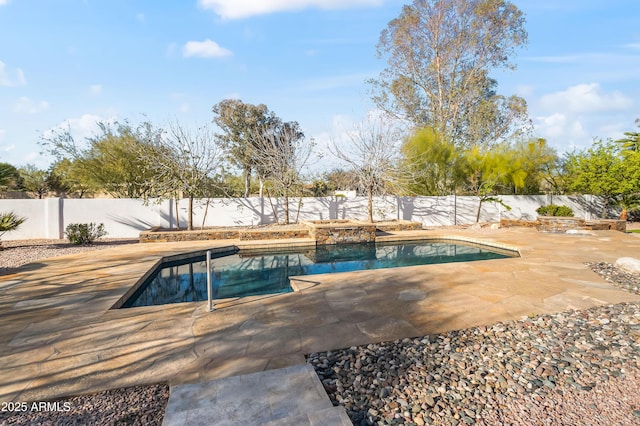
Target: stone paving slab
[279,396]
[58,336]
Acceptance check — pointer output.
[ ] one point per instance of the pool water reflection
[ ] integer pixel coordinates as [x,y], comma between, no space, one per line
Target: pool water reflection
[253,272]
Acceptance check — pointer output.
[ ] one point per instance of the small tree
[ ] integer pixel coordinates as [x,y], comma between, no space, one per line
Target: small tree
[601,170]
[433,164]
[282,153]
[371,154]
[182,162]
[9,177]
[487,171]
[34,180]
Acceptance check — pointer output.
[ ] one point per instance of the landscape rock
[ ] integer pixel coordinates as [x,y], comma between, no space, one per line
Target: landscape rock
[628,264]
[573,367]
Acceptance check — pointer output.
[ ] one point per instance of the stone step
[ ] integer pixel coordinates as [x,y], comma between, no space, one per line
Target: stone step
[258,398]
[334,416]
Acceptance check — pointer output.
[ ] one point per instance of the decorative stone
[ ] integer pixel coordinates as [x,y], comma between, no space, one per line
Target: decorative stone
[628,264]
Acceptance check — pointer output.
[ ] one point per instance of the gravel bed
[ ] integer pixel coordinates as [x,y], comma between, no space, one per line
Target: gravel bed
[16,253]
[570,368]
[138,405]
[616,276]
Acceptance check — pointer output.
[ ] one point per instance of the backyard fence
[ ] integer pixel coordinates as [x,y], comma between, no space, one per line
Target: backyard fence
[125,218]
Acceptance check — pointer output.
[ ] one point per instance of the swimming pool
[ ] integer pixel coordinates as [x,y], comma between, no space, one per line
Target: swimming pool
[240,273]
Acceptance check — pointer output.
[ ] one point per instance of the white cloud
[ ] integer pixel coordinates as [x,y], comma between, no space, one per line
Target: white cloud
[25,105]
[334,82]
[80,128]
[185,107]
[562,131]
[11,79]
[4,2]
[525,90]
[585,98]
[204,49]
[95,89]
[237,9]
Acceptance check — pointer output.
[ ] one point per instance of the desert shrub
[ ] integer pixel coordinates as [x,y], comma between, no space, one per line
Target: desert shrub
[9,222]
[84,233]
[554,210]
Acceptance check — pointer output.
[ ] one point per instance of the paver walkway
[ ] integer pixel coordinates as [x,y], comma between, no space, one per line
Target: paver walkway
[286,396]
[58,335]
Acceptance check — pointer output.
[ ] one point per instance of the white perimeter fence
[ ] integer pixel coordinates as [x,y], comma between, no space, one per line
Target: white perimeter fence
[125,218]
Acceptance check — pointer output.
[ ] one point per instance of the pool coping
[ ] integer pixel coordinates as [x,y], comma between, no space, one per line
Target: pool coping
[295,281]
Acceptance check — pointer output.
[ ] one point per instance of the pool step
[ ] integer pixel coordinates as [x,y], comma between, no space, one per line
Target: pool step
[287,396]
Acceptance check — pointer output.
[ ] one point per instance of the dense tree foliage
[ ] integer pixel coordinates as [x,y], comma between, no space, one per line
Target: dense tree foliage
[240,122]
[34,180]
[608,170]
[433,163]
[440,53]
[9,177]
[436,167]
[110,160]
[631,140]
[68,177]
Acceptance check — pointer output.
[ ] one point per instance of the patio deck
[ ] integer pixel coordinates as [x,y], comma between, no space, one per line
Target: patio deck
[59,337]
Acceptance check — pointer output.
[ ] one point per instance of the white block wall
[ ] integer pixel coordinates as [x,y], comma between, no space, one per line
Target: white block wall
[125,218]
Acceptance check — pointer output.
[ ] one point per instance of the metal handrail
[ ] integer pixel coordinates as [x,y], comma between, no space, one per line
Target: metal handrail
[209,289]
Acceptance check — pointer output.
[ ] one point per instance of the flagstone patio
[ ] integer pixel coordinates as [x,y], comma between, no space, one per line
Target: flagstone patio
[59,337]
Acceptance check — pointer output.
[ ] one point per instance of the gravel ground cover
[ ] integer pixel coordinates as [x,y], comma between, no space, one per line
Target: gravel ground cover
[571,368]
[16,253]
[138,405]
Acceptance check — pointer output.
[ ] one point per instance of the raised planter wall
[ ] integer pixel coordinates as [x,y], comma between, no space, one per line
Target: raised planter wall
[559,223]
[341,231]
[564,224]
[160,235]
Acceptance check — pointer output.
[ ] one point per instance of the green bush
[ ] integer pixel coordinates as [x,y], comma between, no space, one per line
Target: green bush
[84,233]
[554,210]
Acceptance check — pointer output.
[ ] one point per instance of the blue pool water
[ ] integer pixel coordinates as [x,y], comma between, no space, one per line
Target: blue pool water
[249,273]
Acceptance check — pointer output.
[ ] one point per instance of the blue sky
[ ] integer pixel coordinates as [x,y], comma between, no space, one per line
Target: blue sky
[73,62]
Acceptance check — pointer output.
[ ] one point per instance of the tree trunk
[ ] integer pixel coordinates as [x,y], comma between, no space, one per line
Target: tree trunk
[286,208]
[177,214]
[370,205]
[603,215]
[206,210]
[624,214]
[479,210]
[190,218]
[247,182]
